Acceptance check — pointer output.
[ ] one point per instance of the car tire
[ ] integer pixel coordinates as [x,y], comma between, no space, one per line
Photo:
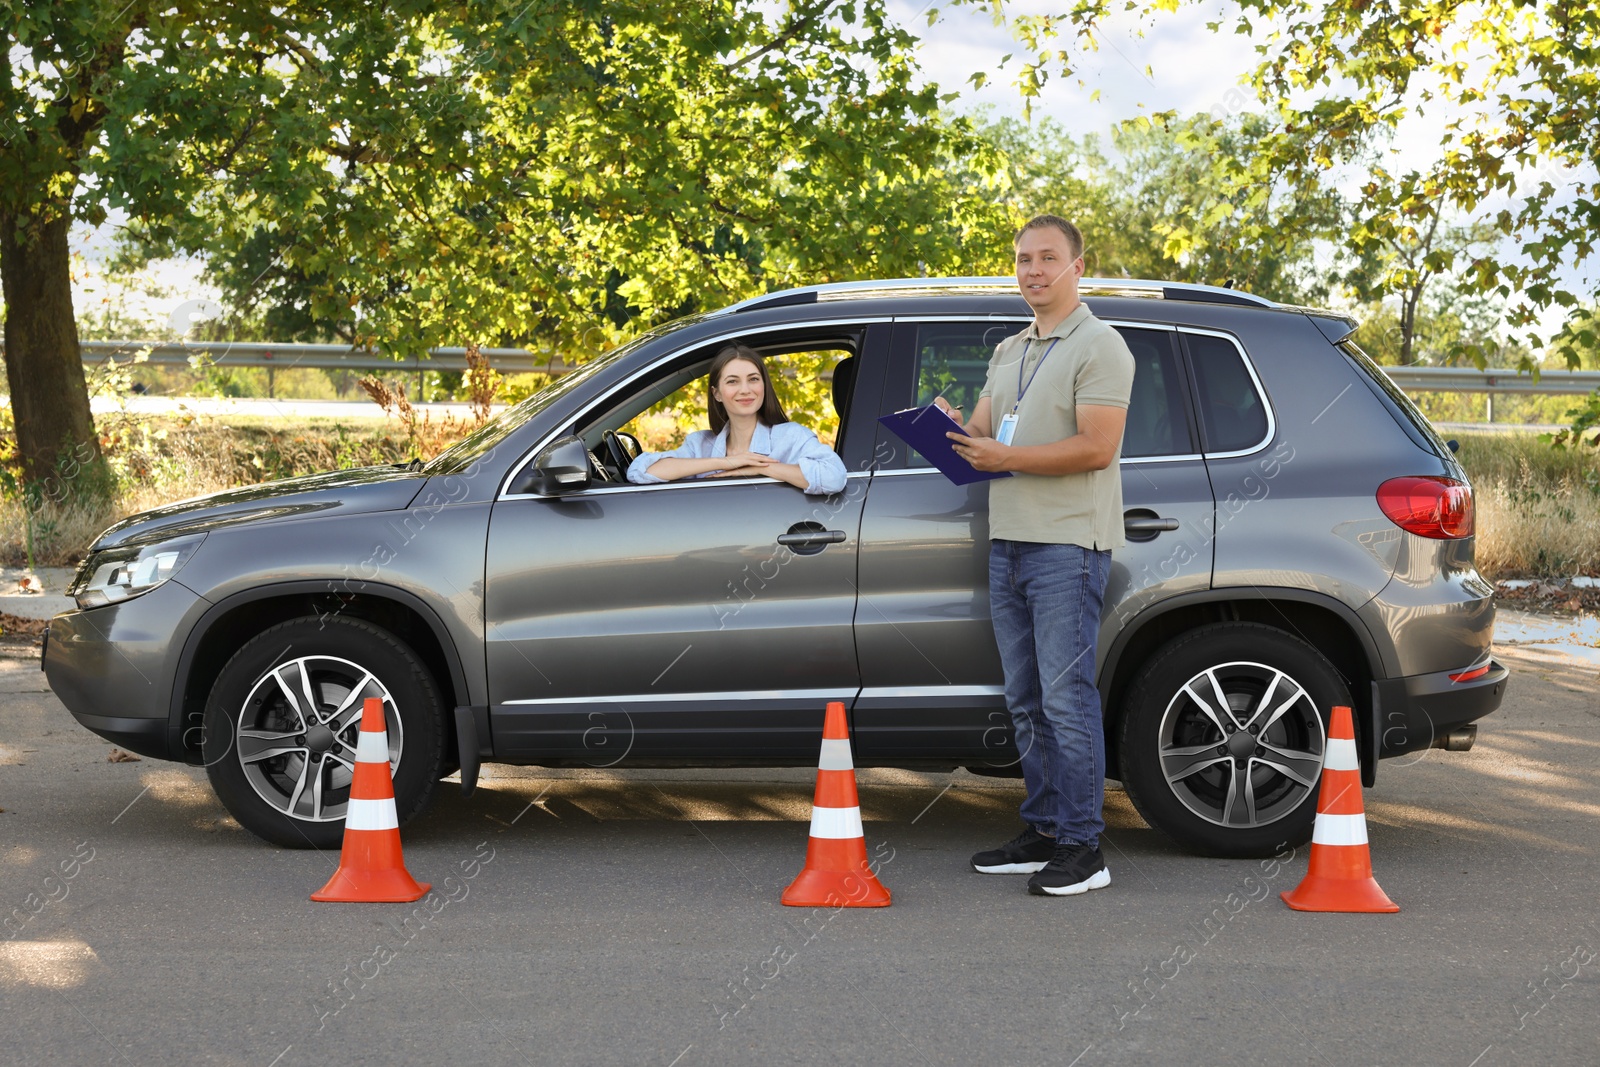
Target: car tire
[1242,783]
[286,776]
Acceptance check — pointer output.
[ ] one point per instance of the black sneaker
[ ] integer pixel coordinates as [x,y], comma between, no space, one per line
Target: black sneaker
[1072,870]
[1029,851]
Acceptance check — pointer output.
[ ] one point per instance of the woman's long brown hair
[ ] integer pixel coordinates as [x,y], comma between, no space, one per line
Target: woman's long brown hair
[771,412]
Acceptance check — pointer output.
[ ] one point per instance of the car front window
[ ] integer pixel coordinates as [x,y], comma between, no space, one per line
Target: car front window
[461,455]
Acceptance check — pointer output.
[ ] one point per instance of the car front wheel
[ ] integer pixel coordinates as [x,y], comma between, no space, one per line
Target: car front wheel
[1223,739]
[282,719]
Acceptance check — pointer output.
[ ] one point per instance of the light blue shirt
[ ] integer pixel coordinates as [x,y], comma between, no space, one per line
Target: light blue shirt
[787,442]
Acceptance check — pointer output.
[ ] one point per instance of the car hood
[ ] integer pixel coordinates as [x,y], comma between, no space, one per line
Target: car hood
[357,491]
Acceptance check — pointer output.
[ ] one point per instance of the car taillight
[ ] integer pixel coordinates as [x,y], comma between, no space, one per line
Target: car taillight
[1470,675]
[1429,506]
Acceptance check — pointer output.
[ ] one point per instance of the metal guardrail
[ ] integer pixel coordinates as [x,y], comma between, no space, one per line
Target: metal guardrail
[328,357]
[1491,380]
[519,360]
[343,357]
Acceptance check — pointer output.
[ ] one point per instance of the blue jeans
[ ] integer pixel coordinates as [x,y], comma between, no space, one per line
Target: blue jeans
[1045,602]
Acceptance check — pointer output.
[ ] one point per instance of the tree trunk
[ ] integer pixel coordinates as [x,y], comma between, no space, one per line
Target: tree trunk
[56,439]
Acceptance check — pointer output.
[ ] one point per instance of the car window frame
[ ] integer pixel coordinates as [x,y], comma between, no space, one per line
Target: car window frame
[903,359]
[866,384]
[1255,381]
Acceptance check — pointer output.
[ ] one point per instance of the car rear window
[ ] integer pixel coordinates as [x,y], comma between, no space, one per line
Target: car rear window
[1233,414]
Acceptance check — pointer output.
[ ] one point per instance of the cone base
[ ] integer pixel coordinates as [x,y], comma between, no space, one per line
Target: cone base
[371,887]
[1349,895]
[857,888]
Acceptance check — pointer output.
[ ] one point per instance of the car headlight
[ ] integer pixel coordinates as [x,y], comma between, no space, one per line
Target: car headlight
[117,574]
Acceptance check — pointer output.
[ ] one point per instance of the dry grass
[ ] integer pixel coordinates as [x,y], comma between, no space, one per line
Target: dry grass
[1538,507]
[160,461]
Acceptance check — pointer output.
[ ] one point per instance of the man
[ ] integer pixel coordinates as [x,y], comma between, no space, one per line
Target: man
[1052,413]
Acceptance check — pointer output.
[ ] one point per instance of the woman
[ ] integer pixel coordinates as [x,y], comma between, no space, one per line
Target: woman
[749,435]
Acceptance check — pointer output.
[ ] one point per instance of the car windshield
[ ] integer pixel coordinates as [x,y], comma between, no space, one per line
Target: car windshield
[479,442]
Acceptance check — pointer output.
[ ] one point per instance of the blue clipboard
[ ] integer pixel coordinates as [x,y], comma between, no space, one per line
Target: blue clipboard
[924,429]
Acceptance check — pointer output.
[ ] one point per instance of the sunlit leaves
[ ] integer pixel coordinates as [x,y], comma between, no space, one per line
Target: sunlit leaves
[1519,84]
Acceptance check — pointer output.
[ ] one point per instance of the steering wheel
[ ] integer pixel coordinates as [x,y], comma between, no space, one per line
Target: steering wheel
[621,449]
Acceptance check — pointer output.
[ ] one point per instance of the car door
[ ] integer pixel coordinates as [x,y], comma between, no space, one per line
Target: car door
[932,685]
[700,619]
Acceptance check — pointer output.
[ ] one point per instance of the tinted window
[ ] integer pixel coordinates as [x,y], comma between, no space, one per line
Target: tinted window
[1232,412]
[952,361]
[1158,419]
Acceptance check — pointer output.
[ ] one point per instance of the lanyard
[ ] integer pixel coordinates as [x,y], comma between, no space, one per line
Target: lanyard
[1022,390]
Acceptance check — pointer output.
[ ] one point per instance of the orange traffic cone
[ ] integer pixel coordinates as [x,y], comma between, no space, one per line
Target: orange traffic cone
[1340,875]
[371,869]
[836,873]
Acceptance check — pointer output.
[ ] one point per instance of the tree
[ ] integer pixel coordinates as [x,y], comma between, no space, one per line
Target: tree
[1163,200]
[87,126]
[612,170]
[1404,260]
[482,170]
[1515,80]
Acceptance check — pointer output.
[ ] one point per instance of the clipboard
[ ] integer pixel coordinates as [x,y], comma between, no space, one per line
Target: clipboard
[924,429]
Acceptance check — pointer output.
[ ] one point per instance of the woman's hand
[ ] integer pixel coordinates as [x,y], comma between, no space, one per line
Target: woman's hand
[781,472]
[746,459]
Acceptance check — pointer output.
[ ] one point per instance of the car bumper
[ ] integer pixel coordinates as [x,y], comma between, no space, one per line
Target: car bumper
[1420,711]
[112,667]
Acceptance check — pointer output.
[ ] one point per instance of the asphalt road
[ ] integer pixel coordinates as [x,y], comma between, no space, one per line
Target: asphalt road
[633,918]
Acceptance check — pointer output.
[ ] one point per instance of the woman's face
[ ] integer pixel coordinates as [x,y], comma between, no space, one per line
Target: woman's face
[738,388]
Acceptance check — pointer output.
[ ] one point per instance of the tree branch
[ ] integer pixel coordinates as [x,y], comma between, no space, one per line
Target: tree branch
[798,23]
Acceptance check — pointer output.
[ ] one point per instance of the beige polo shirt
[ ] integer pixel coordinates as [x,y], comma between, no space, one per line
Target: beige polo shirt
[1089,363]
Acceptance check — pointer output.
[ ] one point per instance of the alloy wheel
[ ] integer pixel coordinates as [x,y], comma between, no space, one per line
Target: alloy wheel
[1241,744]
[297,730]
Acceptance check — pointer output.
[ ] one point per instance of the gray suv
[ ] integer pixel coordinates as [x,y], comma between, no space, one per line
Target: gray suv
[1298,538]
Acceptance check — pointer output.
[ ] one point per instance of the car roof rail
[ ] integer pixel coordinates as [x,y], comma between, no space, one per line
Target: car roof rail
[1134,287]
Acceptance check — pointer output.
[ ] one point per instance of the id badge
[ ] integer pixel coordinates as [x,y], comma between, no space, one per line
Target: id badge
[1008,426]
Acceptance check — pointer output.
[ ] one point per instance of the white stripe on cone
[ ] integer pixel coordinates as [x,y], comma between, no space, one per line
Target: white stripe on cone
[836,822]
[1341,755]
[371,815]
[1339,830]
[373,747]
[835,755]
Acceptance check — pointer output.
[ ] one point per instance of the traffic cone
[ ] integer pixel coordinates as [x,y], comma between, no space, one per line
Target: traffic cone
[1339,877]
[371,869]
[836,873]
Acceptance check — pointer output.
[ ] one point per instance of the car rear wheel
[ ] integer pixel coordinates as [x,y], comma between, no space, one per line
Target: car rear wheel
[1223,740]
[282,719]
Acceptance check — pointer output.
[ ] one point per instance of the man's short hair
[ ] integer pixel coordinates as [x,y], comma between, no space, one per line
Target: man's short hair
[1074,237]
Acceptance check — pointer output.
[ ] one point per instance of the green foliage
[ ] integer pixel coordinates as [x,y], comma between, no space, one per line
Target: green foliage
[1163,200]
[1451,328]
[1336,78]
[547,173]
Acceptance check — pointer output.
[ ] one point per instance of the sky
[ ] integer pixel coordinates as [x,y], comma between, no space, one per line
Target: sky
[1190,67]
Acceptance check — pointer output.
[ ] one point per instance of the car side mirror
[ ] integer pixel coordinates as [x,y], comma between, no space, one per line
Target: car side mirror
[563,467]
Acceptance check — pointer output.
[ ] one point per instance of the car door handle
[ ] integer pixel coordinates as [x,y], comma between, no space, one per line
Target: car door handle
[808,537]
[811,537]
[1154,524]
